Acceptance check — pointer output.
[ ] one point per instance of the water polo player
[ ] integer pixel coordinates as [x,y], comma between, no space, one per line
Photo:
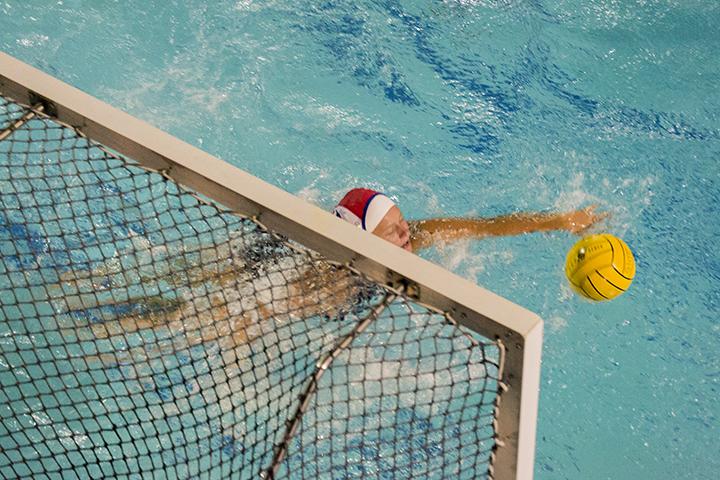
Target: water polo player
[230,292]
[378,214]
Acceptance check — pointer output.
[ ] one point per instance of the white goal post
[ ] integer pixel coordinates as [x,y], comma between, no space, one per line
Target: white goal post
[472,306]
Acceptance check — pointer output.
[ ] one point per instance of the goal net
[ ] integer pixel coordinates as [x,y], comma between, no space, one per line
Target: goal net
[147,331]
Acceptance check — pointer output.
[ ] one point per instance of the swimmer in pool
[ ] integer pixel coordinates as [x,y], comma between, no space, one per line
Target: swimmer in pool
[229,295]
[376,213]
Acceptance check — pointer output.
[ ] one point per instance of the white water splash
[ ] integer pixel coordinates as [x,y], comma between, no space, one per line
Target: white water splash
[34,40]
[460,257]
[624,198]
[557,323]
[314,114]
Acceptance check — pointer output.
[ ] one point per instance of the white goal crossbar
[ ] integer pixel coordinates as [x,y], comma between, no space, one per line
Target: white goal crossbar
[474,307]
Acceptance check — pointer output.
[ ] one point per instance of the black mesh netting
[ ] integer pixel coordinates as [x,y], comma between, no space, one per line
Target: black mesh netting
[9,113]
[146,332]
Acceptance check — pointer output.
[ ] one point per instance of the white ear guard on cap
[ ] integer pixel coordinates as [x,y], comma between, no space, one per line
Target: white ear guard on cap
[376,210]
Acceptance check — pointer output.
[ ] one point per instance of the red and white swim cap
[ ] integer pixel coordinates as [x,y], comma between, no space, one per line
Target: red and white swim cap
[363,207]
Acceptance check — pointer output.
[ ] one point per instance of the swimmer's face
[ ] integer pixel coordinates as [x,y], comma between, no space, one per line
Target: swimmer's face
[394,229]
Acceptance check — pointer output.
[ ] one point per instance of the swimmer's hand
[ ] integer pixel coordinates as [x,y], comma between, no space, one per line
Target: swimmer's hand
[579,221]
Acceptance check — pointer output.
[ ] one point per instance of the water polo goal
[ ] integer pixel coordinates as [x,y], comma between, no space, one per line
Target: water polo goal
[165,314]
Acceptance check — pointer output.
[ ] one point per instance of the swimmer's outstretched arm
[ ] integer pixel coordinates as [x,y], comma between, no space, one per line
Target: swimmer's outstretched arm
[423,233]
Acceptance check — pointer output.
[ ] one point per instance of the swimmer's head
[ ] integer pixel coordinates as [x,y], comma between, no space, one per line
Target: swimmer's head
[376,213]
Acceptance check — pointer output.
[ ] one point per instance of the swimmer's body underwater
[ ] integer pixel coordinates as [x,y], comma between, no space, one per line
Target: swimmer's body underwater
[232,317]
[376,213]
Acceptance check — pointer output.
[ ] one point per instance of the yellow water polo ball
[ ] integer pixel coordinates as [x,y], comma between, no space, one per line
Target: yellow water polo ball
[600,267]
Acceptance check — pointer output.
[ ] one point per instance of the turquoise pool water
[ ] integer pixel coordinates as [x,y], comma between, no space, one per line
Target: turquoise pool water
[471,108]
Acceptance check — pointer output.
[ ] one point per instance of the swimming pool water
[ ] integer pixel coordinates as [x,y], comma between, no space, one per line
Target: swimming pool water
[470,108]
